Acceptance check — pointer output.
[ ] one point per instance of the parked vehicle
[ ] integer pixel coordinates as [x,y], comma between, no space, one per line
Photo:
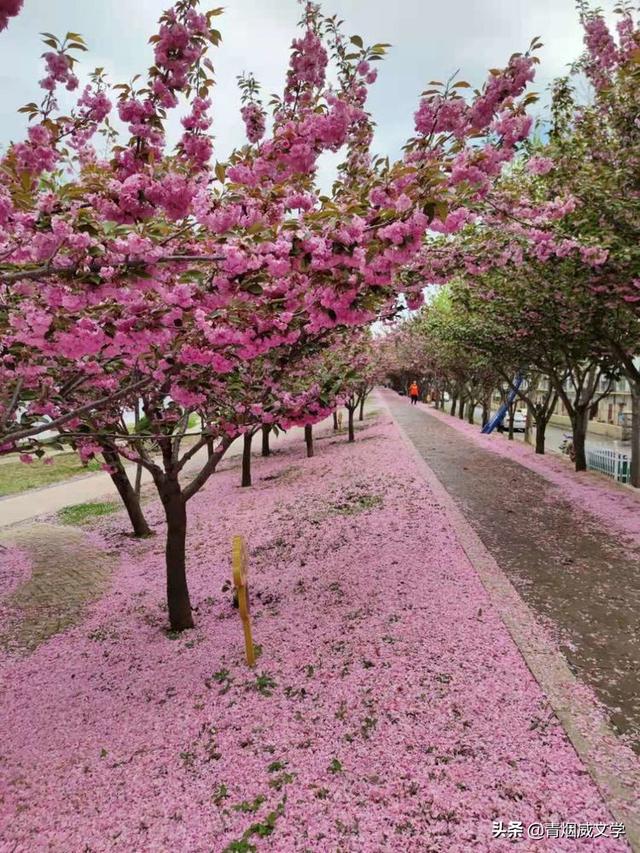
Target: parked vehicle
[42,437]
[519,422]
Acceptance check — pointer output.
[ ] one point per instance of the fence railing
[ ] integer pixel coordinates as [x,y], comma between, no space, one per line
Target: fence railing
[613,463]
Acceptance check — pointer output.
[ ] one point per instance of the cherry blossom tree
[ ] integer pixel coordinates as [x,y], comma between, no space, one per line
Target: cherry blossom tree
[572,204]
[151,275]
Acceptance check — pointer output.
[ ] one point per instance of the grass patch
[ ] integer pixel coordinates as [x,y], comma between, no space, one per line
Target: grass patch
[286,474]
[82,513]
[16,477]
[355,503]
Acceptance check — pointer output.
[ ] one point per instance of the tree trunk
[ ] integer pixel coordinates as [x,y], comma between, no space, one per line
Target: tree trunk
[335,420]
[485,413]
[352,435]
[635,434]
[527,426]
[266,431]
[461,405]
[246,458]
[308,437]
[361,412]
[442,403]
[128,494]
[541,428]
[580,423]
[511,417]
[138,481]
[454,403]
[470,411]
[180,616]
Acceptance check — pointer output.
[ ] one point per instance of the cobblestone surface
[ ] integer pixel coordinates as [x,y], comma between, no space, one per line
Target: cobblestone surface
[68,571]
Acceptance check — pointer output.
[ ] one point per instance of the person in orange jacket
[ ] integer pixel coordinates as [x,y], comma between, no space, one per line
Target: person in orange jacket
[414,393]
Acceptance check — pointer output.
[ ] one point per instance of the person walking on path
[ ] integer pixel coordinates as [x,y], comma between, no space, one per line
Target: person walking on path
[414,392]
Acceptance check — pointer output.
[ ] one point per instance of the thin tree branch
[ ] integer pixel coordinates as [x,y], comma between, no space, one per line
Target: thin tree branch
[46,271]
[198,482]
[81,410]
[14,402]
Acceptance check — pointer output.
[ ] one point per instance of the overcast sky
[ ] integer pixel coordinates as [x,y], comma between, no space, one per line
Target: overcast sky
[429,40]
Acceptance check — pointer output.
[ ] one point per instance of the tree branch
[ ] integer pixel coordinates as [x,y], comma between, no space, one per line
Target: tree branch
[14,402]
[47,271]
[28,432]
[198,482]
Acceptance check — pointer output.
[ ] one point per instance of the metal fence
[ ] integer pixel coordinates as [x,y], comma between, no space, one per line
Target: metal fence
[613,463]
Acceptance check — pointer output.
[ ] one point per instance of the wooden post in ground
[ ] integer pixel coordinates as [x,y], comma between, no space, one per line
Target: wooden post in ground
[239,561]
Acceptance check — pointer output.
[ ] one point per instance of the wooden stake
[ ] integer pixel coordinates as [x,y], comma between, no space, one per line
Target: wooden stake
[239,561]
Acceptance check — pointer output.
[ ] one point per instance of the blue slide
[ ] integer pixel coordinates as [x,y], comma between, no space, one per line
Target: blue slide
[499,416]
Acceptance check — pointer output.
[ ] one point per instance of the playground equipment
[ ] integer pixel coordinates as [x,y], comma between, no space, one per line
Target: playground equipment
[499,416]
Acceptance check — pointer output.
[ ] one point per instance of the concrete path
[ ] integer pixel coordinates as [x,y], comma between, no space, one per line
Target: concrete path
[67,572]
[580,581]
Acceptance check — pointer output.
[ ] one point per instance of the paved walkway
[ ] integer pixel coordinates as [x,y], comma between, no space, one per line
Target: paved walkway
[67,572]
[581,582]
[91,487]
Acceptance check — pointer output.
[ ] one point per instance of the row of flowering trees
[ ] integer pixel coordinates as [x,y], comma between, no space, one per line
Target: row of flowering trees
[546,281]
[159,277]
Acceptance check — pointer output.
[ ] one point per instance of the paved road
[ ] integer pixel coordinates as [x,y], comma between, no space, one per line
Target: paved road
[581,582]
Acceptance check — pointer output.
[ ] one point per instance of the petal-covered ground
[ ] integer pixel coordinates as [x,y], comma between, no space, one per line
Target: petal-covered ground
[617,505]
[389,709]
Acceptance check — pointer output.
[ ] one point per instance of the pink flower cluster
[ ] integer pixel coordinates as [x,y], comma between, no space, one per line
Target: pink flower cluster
[512,127]
[97,105]
[370,74]
[441,115]
[508,84]
[196,145]
[174,194]
[9,9]
[6,206]
[601,50]
[254,119]
[59,68]
[540,165]
[37,155]
[178,48]
[139,115]
[307,68]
